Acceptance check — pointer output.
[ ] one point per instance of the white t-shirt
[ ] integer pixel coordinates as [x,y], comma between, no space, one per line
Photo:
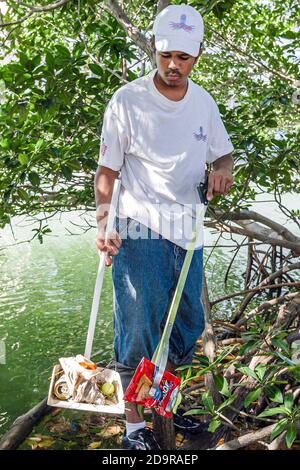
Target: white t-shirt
[161,148]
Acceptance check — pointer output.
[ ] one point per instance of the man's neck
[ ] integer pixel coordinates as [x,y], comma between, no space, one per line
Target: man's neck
[170,92]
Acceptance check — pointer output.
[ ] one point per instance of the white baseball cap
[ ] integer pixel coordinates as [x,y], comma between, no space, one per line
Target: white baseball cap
[178,28]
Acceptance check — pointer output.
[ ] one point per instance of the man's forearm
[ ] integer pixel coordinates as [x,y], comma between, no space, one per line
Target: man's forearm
[226,162]
[103,186]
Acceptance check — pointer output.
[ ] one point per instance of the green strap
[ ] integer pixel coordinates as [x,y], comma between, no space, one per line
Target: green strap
[160,355]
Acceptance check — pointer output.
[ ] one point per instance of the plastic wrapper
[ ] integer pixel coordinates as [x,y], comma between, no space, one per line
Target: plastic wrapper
[165,395]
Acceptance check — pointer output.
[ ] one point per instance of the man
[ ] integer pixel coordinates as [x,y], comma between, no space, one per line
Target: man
[159,132]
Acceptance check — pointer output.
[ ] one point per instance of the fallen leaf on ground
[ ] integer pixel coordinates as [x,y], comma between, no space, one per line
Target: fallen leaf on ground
[39,441]
[220,442]
[179,439]
[95,445]
[110,431]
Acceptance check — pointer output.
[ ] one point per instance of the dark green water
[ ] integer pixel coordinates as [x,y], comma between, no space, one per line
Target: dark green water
[45,299]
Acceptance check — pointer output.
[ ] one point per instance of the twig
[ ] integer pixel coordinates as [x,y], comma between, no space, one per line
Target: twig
[247,415]
[247,439]
[39,9]
[209,345]
[255,289]
[265,306]
[273,276]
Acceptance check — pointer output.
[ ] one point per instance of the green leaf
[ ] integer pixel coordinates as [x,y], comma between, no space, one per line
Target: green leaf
[4,143]
[178,401]
[273,411]
[260,371]
[214,424]
[184,367]
[222,385]
[227,402]
[274,393]
[196,411]
[281,343]
[252,396]
[66,171]
[63,52]
[4,219]
[248,346]
[279,428]
[208,401]
[74,164]
[247,371]
[96,69]
[38,145]
[203,360]
[289,401]
[55,151]
[188,373]
[291,435]
[50,61]
[23,194]
[289,35]
[23,159]
[34,178]
[36,61]
[23,58]
[271,123]
[284,358]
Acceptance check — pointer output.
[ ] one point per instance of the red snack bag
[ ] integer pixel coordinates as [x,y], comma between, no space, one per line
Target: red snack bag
[139,387]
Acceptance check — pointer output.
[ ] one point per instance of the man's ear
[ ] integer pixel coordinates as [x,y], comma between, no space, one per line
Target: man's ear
[199,54]
[152,43]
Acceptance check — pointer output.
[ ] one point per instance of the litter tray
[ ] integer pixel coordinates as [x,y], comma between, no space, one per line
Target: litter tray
[108,375]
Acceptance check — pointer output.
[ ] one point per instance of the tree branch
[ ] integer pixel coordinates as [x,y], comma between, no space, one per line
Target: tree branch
[275,235]
[265,306]
[252,215]
[161,4]
[266,281]
[247,439]
[256,61]
[209,341]
[255,289]
[40,9]
[50,7]
[113,7]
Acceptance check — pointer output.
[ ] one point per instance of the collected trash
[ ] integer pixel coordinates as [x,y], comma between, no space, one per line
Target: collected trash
[164,399]
[78,383]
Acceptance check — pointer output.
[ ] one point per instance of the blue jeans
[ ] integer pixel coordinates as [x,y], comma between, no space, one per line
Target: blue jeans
[145,274]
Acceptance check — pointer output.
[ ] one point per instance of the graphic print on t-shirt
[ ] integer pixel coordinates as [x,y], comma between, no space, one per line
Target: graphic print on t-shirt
[103,147]
[200,135]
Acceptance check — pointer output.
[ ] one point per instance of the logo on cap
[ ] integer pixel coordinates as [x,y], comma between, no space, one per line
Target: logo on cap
[182,24]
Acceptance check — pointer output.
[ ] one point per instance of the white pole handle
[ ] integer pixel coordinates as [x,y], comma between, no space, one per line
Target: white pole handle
[100,274]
